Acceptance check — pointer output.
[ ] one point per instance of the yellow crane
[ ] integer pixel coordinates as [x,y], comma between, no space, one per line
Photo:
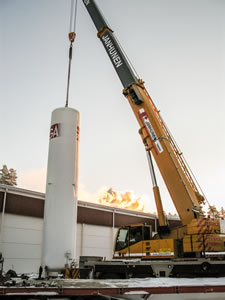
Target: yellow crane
[199,236]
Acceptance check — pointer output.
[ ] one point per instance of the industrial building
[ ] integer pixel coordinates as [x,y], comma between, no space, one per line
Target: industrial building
[21,231]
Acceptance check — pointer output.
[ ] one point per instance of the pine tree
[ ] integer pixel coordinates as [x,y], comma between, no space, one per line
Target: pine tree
[212,211]
[222,212]
[8,176]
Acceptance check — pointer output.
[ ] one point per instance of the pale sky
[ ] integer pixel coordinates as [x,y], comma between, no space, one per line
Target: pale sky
[177,48]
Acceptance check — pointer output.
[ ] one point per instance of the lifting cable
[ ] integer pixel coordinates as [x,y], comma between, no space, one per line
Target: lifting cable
[71,35]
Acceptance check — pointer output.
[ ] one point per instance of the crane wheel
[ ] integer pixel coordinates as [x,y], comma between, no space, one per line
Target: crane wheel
[205,267]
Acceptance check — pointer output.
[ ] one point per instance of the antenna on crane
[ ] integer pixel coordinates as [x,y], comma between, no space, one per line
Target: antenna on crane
[71,35]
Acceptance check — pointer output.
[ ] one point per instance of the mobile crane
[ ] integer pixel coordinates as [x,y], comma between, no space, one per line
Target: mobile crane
[196,247]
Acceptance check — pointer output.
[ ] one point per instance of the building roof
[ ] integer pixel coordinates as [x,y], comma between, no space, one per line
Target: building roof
[24,202]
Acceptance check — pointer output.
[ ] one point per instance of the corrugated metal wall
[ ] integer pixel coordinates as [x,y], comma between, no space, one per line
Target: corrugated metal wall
[22,242]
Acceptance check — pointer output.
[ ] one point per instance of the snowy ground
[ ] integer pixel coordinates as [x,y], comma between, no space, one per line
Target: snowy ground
[127,283]
[136,283]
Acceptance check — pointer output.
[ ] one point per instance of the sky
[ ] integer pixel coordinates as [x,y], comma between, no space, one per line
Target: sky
[176,46]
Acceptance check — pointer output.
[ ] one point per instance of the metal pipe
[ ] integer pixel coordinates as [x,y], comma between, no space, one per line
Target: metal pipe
[112,237]
[3,215]
[82,240]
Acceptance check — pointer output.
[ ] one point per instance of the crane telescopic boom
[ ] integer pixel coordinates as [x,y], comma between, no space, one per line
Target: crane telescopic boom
[111,46]
[154,133]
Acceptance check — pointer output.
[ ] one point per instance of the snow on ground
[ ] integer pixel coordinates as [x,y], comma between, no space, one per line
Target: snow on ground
[135,282]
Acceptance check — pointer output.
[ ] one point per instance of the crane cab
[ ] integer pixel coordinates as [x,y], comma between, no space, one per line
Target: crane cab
[136,241]
[129,240]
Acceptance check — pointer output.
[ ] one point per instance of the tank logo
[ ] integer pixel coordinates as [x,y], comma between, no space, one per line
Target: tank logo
[144,117]
[78,133]
[116,59]
[55,131]
[86,2]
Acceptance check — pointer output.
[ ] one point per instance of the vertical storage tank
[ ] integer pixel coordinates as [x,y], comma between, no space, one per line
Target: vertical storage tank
[60,211]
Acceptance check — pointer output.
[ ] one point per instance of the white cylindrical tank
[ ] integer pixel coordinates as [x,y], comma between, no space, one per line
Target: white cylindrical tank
[60,211]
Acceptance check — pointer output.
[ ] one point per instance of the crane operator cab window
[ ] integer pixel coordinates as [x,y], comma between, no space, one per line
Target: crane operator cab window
[139,233]
[136,235]
[122,238]
[128,236]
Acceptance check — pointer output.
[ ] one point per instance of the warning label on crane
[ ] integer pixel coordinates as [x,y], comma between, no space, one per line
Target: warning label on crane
[150,129]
